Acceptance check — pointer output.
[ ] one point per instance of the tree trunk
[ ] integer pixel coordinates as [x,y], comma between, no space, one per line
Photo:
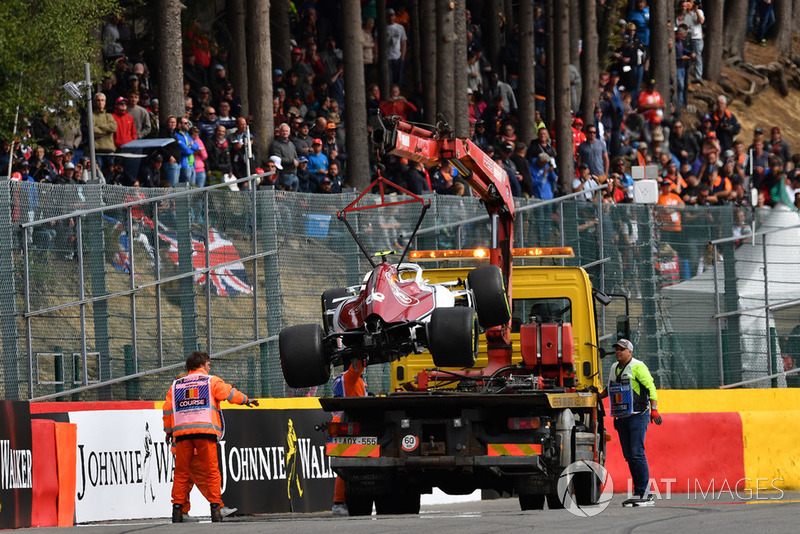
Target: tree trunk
[508,11]
[383,58]
[590,69]
[526,90]
[783,22]
[170,60]
[563,120]
[355,110]
[493,36]
[427,18]
[445,84]
[574,32]
[237,64]
[460,102]
[606,24]
[550,58]
[712,50]
[415,46]
[735,27]
[263,125]
[795,13]
[660,36]
[279,26]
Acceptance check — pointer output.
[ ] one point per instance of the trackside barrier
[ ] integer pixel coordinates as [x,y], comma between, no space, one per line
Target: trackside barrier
[110,461]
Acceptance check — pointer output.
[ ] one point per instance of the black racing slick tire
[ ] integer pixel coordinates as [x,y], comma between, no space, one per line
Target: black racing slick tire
[453,337]
[491,299]
[400,502]
[303,356]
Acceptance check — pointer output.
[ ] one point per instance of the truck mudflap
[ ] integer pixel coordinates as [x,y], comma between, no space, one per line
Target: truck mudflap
[505,465]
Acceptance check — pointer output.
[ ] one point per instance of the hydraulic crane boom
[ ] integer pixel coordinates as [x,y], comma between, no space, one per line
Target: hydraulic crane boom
[490,182]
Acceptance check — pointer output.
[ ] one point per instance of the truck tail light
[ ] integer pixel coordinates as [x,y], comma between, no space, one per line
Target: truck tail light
[523,423]
[344,429]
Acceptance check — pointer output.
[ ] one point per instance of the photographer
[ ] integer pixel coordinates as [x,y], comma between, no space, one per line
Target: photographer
[585,180]
[691,14]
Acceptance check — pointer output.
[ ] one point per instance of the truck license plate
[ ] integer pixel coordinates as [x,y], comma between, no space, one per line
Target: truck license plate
[355,440]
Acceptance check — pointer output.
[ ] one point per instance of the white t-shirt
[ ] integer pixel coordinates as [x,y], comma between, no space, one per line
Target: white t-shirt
[395,35]
[692,21]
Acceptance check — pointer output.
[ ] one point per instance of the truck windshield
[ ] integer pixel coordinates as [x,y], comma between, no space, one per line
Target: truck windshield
[545,310]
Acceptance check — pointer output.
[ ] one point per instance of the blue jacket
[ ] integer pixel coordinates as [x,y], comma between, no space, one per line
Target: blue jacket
[188,147]
[544,181]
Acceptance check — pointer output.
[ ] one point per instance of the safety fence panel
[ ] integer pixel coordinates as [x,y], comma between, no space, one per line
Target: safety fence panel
[81,301]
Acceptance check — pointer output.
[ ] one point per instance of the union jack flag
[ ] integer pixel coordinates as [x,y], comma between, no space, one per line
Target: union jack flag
[227,280]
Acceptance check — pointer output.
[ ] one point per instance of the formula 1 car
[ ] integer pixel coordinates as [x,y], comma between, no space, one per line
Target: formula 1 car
[393,313]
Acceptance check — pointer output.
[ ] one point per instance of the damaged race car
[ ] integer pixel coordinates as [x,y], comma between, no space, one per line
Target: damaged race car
[393,313]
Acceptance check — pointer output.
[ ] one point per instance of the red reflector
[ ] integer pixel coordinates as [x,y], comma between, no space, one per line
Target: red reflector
[523,423]
[344,429]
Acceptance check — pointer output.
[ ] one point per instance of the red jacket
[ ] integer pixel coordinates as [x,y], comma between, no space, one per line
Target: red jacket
[126,128]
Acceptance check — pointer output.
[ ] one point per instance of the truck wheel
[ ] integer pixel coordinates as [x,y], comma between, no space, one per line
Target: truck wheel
[359,505]
[587,488]
[491,299]
[405,502]
[554,501]
[327,304]
[453,337]
[531,502]
[303,356]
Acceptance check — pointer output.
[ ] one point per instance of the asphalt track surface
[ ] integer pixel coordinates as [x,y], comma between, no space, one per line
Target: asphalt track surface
[680,514]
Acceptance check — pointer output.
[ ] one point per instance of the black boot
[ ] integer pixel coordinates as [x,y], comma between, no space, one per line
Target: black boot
[216,514]
[177,513]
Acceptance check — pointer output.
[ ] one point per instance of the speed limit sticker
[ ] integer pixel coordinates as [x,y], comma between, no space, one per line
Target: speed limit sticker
[410,443]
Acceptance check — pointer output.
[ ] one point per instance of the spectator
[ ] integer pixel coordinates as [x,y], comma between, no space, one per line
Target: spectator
[318,131]
[480,137]
[543,177]
[306,184]
[104,129]
[151,172]
[188,147]
[331,146]
[779,147]
[219,152]
[640,16]
[112,48]
[692,16]
[325,185]
[225,118]
[725,124]
[238,139]
[368,47]
[584,180]
[286,151]
[396,44]
[337,180]
[502,89]
[593,152]
[397,104]
[172,152]
[682,144]
[302,140]
[141,117]
[651,105]
[416,179]
[514,177]
[518,158]
[317,161]
[684,54]
[208,123]
[200,157]
[541,145]
[766,13]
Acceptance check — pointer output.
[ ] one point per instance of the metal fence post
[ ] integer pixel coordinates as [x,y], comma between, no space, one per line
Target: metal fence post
[717,311]
[96,245]
[8,296]
[188,294]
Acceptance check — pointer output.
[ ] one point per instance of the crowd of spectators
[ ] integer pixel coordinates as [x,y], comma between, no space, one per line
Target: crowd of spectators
[308,154]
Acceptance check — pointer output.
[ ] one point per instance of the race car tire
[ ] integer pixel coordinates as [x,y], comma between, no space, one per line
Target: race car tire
[453,337]
[302,356]
[358,505]
[491,299]
[399,502]
[327,304]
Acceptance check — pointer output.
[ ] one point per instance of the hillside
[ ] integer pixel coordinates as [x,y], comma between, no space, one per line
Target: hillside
[765,108]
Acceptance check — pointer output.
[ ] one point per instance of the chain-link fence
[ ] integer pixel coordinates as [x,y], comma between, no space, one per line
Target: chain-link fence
[121,290]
